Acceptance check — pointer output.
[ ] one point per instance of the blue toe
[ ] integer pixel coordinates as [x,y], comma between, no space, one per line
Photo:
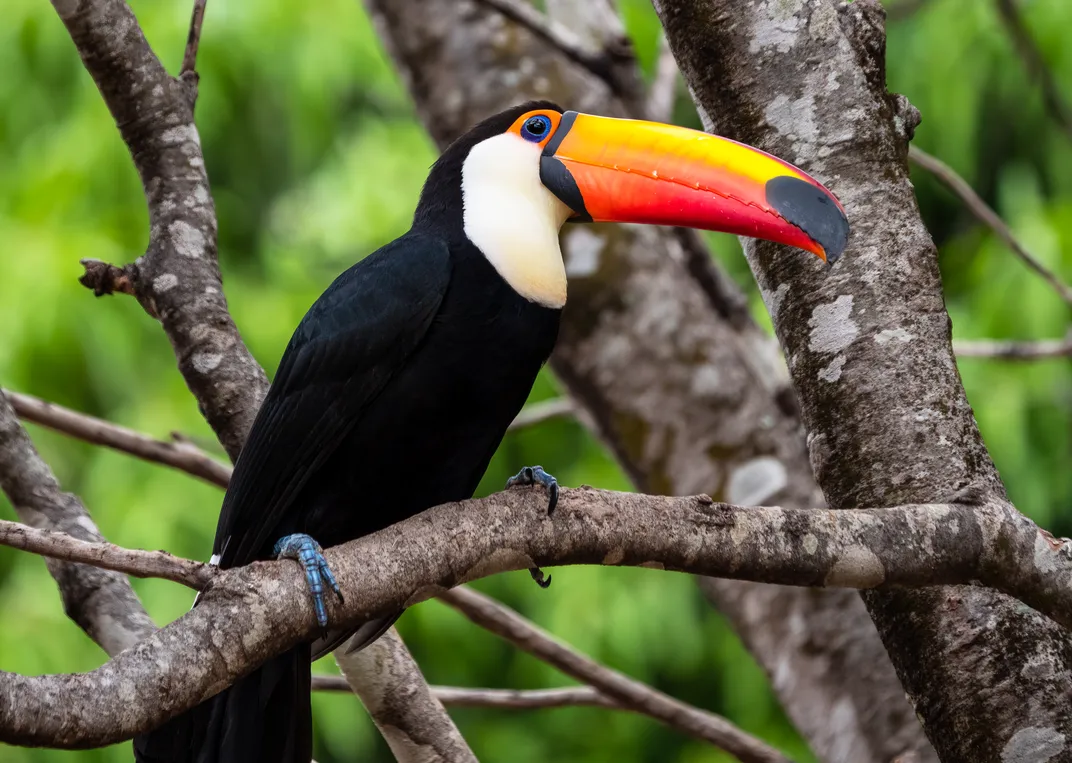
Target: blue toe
[308,553]
[535,475]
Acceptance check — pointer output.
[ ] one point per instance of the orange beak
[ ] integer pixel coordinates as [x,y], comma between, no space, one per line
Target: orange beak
[629,171]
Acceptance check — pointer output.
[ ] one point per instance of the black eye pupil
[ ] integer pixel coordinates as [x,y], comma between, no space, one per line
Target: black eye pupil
[536,126]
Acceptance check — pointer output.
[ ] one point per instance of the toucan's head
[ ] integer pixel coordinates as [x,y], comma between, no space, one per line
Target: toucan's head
[527,170]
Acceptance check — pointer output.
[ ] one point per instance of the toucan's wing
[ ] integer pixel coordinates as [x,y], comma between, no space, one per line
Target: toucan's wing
[350,344]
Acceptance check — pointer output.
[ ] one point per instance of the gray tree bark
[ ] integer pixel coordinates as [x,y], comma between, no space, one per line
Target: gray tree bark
[100,601]
[869,351]
[658,347]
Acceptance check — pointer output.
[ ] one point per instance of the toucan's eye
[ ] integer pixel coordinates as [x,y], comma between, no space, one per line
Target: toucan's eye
[535,128]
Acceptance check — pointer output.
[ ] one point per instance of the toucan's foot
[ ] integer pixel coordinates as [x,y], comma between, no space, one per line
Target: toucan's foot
[535,475]
[307,551]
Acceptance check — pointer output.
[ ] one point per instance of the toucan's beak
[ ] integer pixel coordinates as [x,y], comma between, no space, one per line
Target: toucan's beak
[623,170]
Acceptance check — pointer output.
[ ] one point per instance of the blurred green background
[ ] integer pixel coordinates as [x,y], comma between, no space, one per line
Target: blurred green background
[316,159]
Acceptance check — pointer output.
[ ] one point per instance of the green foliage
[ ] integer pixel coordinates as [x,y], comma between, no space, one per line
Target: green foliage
[316,159]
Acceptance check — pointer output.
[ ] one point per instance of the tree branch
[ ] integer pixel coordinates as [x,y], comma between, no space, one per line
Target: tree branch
[188,73]
[1014,350]
[193,39]
[182,456]
[556,35]
[404,708]
[612,60]
[505,699]
[186,456]
[250,613]
[177,279]
[107,556]
[101,602]
[537,413]
[982,211]
[1036,64]
[628,693]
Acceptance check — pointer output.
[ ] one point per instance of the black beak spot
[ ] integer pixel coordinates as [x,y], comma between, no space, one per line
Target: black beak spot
[811,210]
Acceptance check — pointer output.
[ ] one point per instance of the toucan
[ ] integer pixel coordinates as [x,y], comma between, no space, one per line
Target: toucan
[400,381]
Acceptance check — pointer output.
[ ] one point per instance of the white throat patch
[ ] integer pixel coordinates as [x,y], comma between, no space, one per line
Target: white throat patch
[513,219]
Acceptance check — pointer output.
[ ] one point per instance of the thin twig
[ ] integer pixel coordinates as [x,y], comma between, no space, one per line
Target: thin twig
[1036,64]
[982,211]
[188,75]
[661,95]
[107,556]
[537,413]
[1014,350]
[631,694]
[193,39]
[507,699]
[183,456]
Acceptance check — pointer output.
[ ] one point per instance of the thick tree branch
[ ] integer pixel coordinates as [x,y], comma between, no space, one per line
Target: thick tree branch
[107,556]
[987,216]
[251,613]
[405,709]
[101,602]
[887,418]
[178,278]
[611,59]
[1036,64]
[182,456]
[628,693]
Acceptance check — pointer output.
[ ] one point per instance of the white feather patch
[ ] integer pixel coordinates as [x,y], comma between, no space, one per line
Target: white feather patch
[513,219]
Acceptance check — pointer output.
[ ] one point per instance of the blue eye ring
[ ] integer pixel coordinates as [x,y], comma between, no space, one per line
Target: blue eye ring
[536,128]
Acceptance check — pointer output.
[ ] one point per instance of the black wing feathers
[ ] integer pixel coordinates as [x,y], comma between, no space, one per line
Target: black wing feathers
[352,341]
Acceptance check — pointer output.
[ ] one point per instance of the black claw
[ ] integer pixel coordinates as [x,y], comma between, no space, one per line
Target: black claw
[535,475]
[537,575]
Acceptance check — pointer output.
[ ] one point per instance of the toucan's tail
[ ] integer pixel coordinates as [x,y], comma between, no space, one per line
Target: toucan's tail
[264,718]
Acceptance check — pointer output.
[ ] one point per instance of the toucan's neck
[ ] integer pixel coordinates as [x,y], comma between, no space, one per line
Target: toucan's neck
[513,219]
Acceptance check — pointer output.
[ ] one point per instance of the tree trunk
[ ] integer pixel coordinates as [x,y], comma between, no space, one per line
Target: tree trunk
[869,351]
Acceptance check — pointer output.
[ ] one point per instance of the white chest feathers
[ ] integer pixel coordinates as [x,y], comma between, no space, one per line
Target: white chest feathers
[513,219]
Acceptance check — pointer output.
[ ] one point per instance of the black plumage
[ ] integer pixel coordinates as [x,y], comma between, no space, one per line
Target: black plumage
[392,396]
